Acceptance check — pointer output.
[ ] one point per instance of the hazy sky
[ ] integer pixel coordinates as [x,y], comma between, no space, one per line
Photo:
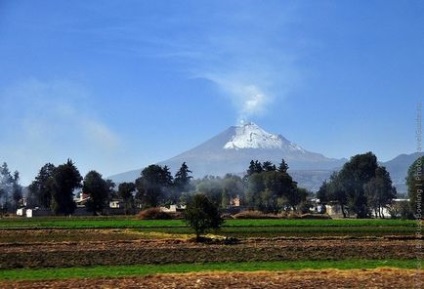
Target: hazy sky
[117,85]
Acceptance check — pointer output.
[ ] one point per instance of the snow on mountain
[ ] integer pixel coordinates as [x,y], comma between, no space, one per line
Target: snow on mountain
[232,150]
[251,136]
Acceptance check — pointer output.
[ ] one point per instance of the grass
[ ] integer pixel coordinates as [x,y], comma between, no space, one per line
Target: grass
[234,228]
[143,270]
[130,222]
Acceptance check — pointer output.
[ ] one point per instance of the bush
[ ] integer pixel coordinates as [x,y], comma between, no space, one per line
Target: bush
[202,215]
[153,214]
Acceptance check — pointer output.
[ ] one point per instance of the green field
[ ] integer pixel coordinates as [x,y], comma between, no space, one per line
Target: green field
[232,227]
[143,270]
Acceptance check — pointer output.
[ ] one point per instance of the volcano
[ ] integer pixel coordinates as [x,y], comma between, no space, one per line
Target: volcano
[232,150]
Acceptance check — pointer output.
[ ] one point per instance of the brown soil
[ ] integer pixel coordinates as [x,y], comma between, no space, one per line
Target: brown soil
[377,278]
[162,251]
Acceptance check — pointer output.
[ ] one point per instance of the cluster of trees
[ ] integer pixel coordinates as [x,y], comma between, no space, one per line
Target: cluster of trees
[360,186]
[54,188]
[10,190]
[270,189]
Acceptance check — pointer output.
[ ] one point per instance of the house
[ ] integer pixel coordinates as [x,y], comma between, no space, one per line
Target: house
[173,208]
[116,204]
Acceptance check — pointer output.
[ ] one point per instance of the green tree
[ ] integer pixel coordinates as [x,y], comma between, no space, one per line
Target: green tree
[415,183]
[232,187]
[337,193]
[212,188]
[202,215]
[154,186]
[125,191]
[354,175]
[268,166]
[66,178]
[254,167]
[379,191]
[181,182]
[98,190]
[361,185]
[283,166]
[40,189]
[269,189]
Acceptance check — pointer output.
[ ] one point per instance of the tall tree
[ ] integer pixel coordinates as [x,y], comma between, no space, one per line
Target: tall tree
[125,191]
[354,175]
[359,186]
[98,190]
[415,183]
[337,193]
[40,188]
[283,166]
[181,182]
[66,178]
[379,191]
[154,185]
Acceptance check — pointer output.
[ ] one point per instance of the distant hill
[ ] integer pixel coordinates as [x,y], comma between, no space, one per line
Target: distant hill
[398,169]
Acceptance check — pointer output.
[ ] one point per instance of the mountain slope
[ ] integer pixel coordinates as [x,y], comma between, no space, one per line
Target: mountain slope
[232,150]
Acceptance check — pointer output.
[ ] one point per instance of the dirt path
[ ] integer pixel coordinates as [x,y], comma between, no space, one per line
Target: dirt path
[377,278]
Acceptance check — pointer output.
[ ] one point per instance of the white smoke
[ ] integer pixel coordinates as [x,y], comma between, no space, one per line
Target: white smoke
[249,99]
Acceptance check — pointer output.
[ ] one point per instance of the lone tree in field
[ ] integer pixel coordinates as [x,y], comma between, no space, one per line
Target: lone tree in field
[202,215]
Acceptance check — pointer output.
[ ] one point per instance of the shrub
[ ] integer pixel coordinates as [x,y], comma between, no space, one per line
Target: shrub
[202,215]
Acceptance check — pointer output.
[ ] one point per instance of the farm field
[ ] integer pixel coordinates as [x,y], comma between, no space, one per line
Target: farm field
[122,252]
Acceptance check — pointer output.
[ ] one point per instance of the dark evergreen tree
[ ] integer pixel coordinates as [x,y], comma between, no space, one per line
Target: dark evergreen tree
[66,178]
[283,166]
[268,166]
[181,182]
[40,189]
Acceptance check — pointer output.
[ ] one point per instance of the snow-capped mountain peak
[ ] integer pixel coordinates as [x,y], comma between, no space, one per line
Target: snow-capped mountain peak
[251,136]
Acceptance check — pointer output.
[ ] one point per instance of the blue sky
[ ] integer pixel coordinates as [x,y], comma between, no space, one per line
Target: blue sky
[117,85]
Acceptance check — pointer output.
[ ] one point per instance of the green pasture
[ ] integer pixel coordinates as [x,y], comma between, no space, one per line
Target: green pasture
[143,270]
[231,227]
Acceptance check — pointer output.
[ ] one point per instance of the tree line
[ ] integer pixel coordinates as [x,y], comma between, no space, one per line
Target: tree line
[360,187]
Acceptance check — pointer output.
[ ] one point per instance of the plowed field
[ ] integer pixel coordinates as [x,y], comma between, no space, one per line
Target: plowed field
[377,278]
[71,254]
